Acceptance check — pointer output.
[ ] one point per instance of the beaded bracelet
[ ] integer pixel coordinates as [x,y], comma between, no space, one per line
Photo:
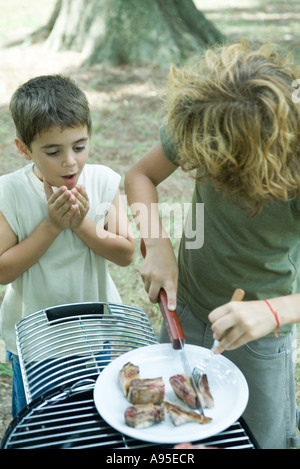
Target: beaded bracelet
[276,317]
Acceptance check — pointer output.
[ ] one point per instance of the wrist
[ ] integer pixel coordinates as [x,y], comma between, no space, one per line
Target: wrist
[288,308]
[272,310]
[52,228]
[157,243]
[79,226]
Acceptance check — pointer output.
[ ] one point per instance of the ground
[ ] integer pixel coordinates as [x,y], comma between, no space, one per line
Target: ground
[126,104]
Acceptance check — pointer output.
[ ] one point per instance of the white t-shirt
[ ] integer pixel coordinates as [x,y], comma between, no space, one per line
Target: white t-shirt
[69,271]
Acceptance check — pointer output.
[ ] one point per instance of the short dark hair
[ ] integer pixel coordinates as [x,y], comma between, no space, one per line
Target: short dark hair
[47,101]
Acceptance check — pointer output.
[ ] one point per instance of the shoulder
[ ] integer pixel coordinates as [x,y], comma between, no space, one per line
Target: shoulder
[14,178]
[170,148]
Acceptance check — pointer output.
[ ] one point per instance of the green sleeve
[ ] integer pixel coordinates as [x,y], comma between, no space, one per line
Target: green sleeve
[169,145]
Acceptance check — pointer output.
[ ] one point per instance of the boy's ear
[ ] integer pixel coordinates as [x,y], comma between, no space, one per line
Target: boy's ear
[22,148]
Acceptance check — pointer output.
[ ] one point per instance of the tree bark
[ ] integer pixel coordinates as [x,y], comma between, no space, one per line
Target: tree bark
[138,32]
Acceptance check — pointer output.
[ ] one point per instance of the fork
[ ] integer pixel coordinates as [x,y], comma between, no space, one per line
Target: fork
[199,369]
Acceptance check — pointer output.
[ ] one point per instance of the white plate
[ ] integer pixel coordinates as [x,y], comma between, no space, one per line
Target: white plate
[227,383]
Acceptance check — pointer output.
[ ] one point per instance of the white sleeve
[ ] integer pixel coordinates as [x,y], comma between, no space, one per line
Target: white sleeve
[8,204]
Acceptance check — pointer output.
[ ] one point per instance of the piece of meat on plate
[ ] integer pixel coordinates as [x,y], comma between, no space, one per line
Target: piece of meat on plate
[143,391]
[180,416]
[144,415]
[184,389]
[207,401]
[126,374]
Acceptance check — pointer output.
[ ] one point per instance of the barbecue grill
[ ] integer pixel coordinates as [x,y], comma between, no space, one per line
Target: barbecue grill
[62,351]
[60,345]
[69,419]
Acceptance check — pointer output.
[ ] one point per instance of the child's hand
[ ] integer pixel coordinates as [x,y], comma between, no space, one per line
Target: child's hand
[160,270]
[61,205]
[81,206]
[237,323]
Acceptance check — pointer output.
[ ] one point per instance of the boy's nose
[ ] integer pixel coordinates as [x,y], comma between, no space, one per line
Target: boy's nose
[69,160]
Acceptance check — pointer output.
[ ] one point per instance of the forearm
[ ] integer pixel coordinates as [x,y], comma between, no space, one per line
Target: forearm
[143,201]
[141,182]
[159,270]
[287,308]
[20,257]
[113,247]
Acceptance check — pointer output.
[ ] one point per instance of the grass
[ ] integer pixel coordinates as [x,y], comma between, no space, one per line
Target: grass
[5,369]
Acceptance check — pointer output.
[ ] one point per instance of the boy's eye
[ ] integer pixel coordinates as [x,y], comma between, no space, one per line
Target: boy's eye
[52,153]
[79,148]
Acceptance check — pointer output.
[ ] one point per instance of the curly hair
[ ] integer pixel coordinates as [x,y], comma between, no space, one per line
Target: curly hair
[234,120]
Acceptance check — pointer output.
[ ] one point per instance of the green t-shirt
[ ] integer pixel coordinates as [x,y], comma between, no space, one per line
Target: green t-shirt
[259,254]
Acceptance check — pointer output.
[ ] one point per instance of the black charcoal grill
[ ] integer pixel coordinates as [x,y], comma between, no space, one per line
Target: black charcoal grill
[69,420]
[62,351]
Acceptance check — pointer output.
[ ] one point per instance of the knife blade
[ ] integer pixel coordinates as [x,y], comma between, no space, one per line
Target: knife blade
[188,372]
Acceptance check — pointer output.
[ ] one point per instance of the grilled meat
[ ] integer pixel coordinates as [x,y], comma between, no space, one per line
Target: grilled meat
[126,374]
[207,401]
[183,388]
[144,415]
[144,391]
[180,416]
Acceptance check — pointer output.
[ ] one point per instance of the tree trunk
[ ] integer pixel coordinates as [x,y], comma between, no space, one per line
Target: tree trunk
[138,32]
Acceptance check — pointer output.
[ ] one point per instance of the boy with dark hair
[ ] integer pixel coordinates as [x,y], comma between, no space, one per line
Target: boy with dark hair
[60,219]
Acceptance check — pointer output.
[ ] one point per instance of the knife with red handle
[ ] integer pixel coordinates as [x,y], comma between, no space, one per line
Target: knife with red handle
[170,318]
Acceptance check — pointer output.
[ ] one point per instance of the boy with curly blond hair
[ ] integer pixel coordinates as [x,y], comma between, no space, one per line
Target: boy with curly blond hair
[231,118]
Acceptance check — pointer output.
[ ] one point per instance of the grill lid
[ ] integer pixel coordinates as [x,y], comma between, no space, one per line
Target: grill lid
[59,346]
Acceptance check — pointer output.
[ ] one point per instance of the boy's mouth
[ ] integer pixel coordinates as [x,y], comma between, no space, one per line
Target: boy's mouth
[69,179]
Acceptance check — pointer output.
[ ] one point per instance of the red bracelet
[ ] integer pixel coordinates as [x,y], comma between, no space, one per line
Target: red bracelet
[276,317]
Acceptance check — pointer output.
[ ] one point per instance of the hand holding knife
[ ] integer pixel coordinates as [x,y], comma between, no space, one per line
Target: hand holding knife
[176,334]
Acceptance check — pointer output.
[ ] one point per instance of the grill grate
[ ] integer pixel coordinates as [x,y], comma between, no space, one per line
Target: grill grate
[64,344]
[71,421]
